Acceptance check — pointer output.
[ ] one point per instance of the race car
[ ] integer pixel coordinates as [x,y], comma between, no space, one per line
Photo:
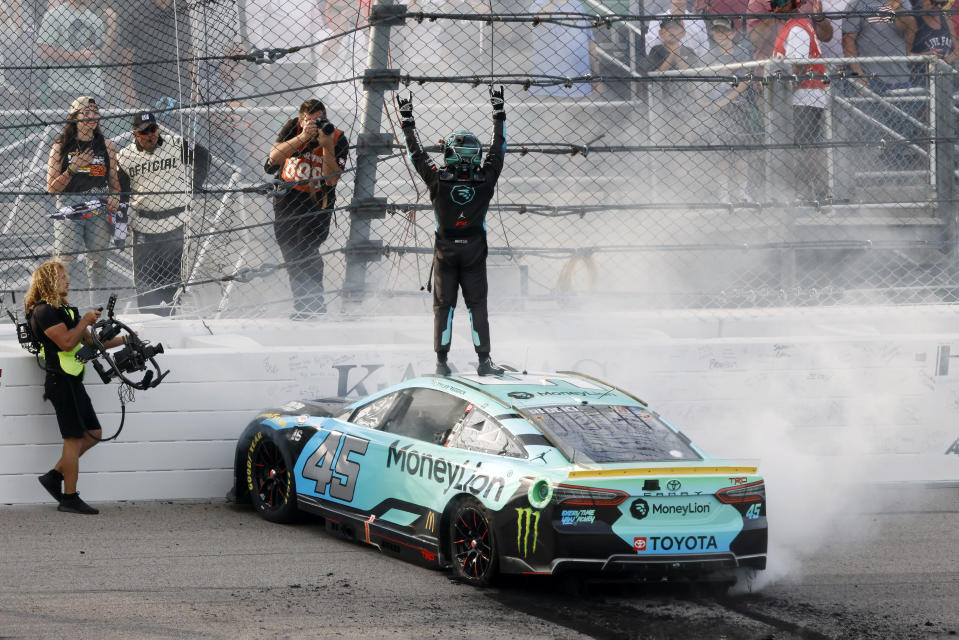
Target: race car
[512,474]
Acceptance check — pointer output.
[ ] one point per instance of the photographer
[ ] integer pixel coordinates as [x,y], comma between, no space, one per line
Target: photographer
[310,151]
[61,331]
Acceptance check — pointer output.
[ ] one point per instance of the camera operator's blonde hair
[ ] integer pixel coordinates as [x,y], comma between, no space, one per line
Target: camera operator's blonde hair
[45,286]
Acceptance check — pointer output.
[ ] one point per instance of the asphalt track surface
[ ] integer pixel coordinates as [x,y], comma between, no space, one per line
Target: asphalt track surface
[887,570]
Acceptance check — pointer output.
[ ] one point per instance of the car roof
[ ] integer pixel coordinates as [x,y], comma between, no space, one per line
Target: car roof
[521,390]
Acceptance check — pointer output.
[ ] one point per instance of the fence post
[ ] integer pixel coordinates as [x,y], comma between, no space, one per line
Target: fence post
[371,143]
[944,140]
[780,169]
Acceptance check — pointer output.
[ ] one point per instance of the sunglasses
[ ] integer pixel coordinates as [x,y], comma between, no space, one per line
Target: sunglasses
[147,131]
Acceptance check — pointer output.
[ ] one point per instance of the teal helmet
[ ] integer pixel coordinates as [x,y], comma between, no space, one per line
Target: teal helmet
[461,147]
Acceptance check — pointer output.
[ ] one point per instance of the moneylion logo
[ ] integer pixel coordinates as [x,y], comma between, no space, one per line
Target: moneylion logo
[526,520]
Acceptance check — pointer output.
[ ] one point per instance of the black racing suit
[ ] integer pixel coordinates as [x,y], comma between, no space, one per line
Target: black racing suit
[460,201]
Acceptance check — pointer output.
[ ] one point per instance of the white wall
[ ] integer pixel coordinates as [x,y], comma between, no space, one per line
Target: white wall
[869,390]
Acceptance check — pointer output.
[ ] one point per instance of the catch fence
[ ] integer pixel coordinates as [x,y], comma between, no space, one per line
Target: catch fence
[650,178]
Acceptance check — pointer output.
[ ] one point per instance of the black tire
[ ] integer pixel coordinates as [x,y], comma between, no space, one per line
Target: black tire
[269,477]
[473,549]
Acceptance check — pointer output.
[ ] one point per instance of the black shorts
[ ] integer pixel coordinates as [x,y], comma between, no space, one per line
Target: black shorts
[75,413]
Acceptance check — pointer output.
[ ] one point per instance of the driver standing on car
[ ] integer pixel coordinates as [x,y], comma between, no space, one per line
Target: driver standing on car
[61,331]
[460,193]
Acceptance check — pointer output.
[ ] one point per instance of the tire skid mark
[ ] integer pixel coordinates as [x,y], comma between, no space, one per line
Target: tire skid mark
[742,607]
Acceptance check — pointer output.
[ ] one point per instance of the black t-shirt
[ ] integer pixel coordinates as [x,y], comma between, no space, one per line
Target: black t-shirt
[42,318]
[95,176]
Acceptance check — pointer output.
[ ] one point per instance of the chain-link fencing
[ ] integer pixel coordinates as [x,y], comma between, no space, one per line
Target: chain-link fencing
[660,155]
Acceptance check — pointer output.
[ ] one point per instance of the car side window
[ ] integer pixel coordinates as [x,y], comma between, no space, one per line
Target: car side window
[477,431]
[373,414]
[429,415]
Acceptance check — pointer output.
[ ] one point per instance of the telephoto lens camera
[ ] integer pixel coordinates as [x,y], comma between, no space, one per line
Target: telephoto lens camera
[325,126]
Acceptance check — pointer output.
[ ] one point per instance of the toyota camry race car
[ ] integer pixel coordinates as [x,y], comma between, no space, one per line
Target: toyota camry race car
[519,473]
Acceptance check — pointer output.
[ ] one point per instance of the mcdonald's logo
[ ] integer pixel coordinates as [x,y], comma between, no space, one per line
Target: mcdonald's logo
[431,521]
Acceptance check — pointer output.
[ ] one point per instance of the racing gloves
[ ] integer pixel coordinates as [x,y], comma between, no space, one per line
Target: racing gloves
[406,112]
[499,104]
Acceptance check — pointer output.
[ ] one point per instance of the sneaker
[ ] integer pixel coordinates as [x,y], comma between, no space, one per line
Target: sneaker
[442,368]
[72,503]
[51,482]
[487,368]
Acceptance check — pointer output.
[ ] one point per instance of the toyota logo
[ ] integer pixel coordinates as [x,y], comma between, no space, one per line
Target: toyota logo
[674,485]
[520,395]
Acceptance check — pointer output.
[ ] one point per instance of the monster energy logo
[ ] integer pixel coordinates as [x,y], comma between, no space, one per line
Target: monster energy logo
[526,519]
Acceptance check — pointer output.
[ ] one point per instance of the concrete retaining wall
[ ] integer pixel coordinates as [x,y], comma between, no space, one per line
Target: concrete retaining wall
[874,393]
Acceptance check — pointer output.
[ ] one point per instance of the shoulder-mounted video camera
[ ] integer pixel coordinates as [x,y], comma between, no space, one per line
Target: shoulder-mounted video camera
[135,356]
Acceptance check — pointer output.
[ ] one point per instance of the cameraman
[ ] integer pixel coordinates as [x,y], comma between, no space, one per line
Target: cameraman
[61,330]
[310,151]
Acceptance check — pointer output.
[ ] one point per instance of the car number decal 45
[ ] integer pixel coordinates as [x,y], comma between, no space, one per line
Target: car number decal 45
[333,457]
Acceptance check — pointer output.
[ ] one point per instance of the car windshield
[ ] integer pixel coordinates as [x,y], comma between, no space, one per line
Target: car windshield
[606,433]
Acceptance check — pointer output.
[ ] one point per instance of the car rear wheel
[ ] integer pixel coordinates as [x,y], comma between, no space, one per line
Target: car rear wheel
[472,543]
[269,473]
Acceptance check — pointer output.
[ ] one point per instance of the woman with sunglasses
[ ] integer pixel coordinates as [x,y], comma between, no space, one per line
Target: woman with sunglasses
[82,162]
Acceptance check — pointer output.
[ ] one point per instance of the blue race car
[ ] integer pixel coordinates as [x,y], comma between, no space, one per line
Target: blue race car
[519,473]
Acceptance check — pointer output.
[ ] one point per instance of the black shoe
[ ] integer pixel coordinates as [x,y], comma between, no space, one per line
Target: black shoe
[72,503]
[487,368]
[51,482]
[442,369]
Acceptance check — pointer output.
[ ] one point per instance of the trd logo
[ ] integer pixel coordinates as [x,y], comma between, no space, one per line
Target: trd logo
[639,544]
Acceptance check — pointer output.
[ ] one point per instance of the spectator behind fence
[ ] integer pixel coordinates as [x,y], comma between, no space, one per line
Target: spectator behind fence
[19,20]
[929,35]
[561,51]
[734,113]
[72,34]
[310,152]
[154,168]
[343,57]
[228,132]
[763,32]
[82,162]
[676,100]
[797,40]
[875,32]
[714,7]
[694,35]
[150,31]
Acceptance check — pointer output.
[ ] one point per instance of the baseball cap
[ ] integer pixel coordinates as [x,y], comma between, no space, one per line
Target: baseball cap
[82,103]
[142,120]
[677,20]
[721,23]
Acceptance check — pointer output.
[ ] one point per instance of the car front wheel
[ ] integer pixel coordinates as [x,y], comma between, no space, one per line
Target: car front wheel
[269,476]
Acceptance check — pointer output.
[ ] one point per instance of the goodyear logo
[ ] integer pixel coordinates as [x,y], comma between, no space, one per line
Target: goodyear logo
[527,521]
